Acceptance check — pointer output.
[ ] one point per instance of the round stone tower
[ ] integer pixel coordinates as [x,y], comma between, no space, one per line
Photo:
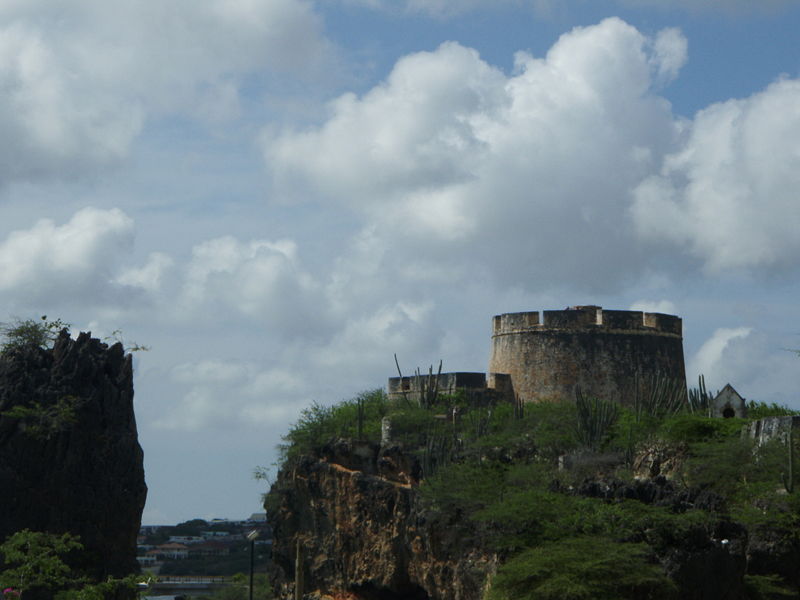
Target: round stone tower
[606,353]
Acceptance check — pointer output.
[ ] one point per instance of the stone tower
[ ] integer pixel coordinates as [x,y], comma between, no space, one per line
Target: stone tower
[607,353]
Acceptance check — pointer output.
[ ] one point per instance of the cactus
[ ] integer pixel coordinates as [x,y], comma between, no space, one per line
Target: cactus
[595,418]
[427,388]
[435,453]
[519,408]
[360,409]
[400,373]
[664,397]
[700,399]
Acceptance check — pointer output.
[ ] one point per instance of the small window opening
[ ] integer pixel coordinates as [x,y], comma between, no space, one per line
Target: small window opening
[728,412]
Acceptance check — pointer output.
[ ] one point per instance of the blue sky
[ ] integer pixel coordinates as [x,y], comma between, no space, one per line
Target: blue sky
[277,196]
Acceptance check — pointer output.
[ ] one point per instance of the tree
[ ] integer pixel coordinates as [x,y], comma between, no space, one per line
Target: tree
[31,333]
[35,560]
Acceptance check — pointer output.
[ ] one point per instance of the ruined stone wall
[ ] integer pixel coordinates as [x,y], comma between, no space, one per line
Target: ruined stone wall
[605,352]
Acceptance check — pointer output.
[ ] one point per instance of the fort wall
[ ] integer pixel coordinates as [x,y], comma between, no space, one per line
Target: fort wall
[476,387]
[607,353]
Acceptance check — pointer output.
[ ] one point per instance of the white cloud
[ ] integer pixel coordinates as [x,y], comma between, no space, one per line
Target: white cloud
[745,6]
[729,195]
[658,306]
[148,277]
[670,51]
[710,355]
[523,177]
[454,8]
[754,362]
[260,280]
[80,78]
[75,260]
[233,394]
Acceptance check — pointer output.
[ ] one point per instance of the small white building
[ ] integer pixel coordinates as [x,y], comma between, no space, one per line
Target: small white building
[728,403]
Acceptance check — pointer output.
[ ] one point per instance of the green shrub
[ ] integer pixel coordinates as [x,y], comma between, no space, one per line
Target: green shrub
[759,410]
[582,568]
[320,424]
[464,488]
[30,333]
[767,587]
[691,428]
[42,421]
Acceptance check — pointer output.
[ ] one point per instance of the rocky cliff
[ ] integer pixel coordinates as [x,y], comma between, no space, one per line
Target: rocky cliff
[351,517]
[354,511]
[70,459]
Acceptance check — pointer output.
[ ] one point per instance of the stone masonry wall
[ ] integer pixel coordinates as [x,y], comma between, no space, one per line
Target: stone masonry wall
[603,352]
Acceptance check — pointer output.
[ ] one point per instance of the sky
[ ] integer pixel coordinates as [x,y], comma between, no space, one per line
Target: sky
[276,196]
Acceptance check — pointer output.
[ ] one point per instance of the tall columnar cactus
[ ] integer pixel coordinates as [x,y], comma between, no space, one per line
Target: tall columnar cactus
[700,399]
[595,419]
[519,408]
[360,409]
[662,396]
[427,388]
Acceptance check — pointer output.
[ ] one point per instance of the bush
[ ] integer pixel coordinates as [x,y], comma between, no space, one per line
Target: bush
[759,410]
[694,428]
[320,424]
[31,333]
[582,568]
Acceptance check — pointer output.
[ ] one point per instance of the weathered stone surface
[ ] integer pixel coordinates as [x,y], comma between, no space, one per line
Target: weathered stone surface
[355,511]
[86,476]
[606,353]
[772,428]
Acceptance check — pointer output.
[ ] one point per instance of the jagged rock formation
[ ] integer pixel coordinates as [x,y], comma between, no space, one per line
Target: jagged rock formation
[363,535]
[355,511]
[78,469]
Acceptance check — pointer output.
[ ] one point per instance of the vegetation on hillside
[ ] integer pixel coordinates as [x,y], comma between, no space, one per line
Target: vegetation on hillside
[37,562]
[496,468]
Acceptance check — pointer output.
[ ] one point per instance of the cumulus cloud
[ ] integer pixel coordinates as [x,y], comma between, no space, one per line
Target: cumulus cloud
[739,6]
[710,354]
[658,306]
[453,8]
[260,280]
[150,276]
[729,194]
[232,394]
[525,177]
[754,362]
[75,260]
[79,79]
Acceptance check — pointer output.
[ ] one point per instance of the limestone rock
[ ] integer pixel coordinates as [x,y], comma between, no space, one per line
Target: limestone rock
[356,514]
[81,472]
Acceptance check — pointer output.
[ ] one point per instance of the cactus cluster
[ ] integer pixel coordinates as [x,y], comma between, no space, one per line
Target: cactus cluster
[595,419]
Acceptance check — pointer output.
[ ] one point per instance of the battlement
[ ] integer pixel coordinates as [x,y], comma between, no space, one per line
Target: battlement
[588,318]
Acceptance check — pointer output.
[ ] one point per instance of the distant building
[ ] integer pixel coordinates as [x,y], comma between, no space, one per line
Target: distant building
[171,550]
[728,404]
[186,539]
[209,549]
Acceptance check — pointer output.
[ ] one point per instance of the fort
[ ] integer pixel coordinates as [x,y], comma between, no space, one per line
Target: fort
[610,354]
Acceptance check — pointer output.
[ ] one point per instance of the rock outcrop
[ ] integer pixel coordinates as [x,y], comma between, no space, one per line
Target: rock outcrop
[354,510]
[70,459]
